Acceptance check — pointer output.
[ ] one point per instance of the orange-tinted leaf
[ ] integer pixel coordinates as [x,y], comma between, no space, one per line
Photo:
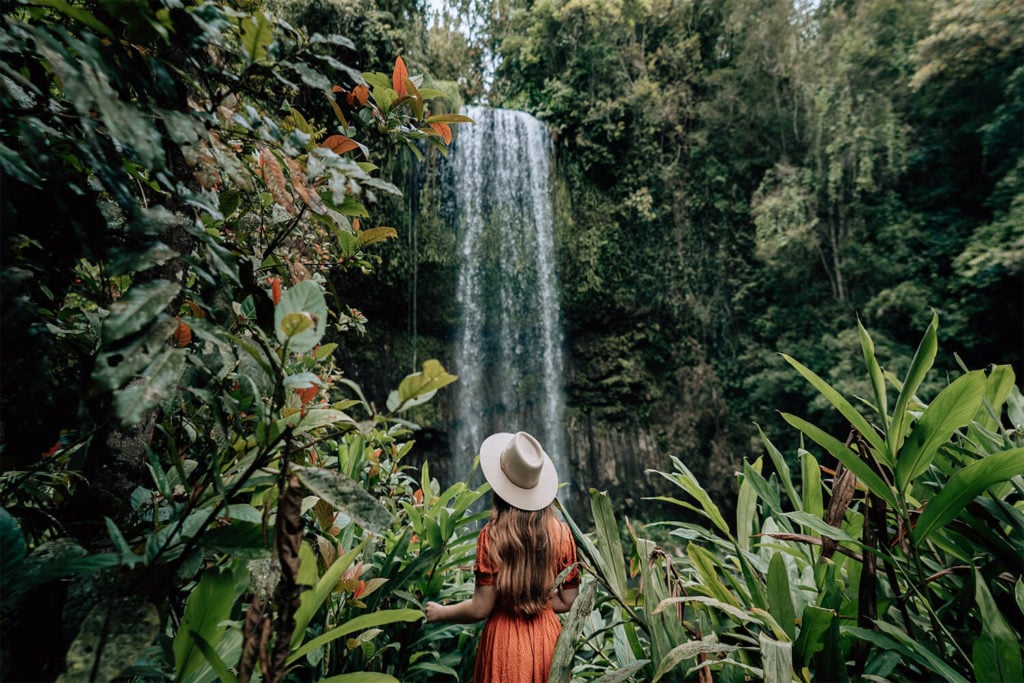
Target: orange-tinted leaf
[444,130]
[339,144]
[361,94]
[182,335]
[273,176]
[197,312]
[308,394]
[398,77]
[450,118]
[337,88]
[299,184]
[355,225]
[275,289]
[374,235]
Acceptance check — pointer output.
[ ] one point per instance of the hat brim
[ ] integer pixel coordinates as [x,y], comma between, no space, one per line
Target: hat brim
[538,497]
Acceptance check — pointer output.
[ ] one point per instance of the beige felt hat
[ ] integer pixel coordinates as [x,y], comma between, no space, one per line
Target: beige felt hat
[518,470]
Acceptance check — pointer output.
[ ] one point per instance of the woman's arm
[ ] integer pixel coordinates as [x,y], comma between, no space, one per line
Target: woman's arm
[562,598]
[466,612]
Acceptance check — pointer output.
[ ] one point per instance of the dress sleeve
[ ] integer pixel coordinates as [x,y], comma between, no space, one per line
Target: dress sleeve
[568,557]
[482,567]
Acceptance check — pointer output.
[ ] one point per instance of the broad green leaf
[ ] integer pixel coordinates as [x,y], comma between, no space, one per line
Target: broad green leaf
[782,468]
[846,456]
[323,417]
[681,653]
[919,367]
[776,660]
[450,118]
[821,527]
[893,638]
[609,548]
[77,13]
[113,635]
[811,484]
[627,672]
[214,660]
[294,323]
[746,509]
[565,648]
[306,299]
[137,308]
[996,653]
[952,409]
[780,603]
[419,387]
[846,409]
[360,623]
[160,380]
[814,627]
[311,601]
[707,567]
[361,677]
[118,364]
[684,479]
[963,487]
[208,605]
[375,235]
[875,374]
[242,540]
[347,496]
[257,33]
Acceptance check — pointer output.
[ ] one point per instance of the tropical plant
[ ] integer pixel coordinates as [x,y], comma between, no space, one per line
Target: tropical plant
[901,563]
[172,221]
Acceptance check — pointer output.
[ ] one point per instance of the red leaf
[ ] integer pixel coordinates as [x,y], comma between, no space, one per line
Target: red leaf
[275,289]
[444,130]
[339,144]
[308,394]
[361,94]
[182,335]
[273,176]
[398,77]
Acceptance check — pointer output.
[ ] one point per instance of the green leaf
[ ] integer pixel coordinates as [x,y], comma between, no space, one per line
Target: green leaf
[158,382]
[347,496]
[963,487]
[681,653]
[241,540]
[892,638]
[450,118]
[996,653]
[375,235]
[213,659]
[684,479]
[875,373]
[208,605]
[821,527]
[419,387]
[137,308]
[606,537]
[565,647]
[361,677]
[814,628]
[295,323]
[779,461]
[776,660]
[113,635]
[257,33]
[780,603]
[360,623]
[318,418]
[810,476]
[847,410]
[306,299]
[746,509]
[77,13]
[311,601]
[919,367]
[707,567]
[846,456]
[953,408]
[118,364]
[13,543]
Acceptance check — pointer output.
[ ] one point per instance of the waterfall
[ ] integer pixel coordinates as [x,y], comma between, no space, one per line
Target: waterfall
[508,355]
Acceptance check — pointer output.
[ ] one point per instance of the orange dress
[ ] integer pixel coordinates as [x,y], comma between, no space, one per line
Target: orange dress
[515,648]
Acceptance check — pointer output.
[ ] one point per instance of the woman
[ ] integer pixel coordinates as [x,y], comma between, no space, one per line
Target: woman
[519,554]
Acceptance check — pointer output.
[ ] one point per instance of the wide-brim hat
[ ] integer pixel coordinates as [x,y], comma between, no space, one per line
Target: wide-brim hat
[518,470]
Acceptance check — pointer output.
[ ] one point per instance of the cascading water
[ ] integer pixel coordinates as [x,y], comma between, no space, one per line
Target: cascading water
[509,355]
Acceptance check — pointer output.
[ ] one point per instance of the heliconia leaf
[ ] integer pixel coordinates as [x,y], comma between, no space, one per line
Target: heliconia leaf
[300,185]
[399,76]
[207,606]
[952,409]
[609,547]
[962,488]
[450,118]
[846,456]
[780,604]
[360,623]
[813,628]
[444,130]
[875,373]
[996,654]
[919,367]
[273,177]
[776,659]
[374,235]
[339,144]
[845,408]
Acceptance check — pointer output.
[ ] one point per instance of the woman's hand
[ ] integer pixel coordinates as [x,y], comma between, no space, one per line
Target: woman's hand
[433,611]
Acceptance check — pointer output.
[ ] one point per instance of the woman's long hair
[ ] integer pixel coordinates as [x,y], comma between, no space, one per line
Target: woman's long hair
[523,549]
